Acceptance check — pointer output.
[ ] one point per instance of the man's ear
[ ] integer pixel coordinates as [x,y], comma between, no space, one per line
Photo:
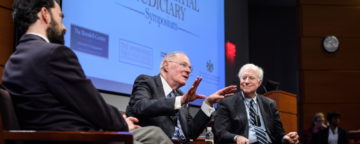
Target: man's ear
[165,66]
[44,15]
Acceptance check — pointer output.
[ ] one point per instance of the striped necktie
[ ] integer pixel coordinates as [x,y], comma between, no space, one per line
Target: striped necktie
[255,121]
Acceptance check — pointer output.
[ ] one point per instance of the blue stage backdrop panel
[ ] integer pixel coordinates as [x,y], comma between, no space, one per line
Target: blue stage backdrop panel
[117,40]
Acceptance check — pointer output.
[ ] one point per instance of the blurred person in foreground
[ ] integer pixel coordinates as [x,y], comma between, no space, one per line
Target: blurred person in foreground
[48,86]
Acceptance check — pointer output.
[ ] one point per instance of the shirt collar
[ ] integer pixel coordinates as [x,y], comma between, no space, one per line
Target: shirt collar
[335,131]
[166,86]
[247,100]
[40,35]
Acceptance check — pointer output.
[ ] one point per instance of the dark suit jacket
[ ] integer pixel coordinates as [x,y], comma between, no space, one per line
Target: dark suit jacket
[149,104]
[231,119]
[322,136]
[51,92]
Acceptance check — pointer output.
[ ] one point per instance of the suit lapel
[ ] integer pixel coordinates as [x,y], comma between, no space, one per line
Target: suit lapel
[327,133]
[242,114]
[182,115]
[264,114]
[159,86]
[243,108]
[161,94]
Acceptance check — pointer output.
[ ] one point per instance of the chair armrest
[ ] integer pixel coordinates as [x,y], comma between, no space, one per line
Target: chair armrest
[83,136]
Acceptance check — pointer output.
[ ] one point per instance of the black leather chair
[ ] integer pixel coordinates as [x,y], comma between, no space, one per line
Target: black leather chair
[11,132]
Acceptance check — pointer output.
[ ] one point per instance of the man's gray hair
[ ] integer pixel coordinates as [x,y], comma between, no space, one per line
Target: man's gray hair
[258,70]
[169,56]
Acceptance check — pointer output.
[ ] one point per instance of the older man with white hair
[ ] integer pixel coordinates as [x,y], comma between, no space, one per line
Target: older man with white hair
[158,101]
[248,117]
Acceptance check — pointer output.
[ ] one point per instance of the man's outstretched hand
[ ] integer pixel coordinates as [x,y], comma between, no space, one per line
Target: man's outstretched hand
[220,94]
[191,95]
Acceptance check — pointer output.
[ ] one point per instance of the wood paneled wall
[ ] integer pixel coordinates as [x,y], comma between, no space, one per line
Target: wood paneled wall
[286,104]
[329,81]
[6,3]
[6,34]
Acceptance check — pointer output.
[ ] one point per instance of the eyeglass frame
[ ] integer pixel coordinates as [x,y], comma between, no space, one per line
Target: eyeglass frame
[183,64]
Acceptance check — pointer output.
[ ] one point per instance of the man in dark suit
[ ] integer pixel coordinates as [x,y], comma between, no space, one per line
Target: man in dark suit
[48,86]
[157,100]
[248,117]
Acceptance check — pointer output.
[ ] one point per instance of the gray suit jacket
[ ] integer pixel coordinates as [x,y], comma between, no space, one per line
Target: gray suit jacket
[231,119]
[149,104]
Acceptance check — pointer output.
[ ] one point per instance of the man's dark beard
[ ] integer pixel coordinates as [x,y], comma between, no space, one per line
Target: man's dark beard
[53,35]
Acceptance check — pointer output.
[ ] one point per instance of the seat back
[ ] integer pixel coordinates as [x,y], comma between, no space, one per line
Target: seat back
[8,119]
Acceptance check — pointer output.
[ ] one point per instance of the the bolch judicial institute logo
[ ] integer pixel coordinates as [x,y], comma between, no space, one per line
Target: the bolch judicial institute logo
[209,66]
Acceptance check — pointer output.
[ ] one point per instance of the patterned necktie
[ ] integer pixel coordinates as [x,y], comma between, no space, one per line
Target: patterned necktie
[255,121]
[171,94]
[178,133]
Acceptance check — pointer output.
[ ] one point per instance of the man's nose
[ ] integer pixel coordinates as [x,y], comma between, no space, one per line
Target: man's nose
[187,70]
[246,80]
[64,27]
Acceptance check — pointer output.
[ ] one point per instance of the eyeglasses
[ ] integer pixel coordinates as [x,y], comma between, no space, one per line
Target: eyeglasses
[184,65]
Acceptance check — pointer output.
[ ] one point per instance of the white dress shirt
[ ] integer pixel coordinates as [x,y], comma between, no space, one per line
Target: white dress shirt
[43,37]
[333,136]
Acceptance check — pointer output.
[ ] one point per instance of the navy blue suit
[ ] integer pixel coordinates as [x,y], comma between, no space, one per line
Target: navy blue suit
[51,92]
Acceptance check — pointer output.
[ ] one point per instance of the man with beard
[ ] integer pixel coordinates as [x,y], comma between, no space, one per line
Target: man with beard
[48,86]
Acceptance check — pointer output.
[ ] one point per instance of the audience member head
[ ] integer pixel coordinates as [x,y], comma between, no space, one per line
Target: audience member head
[39,16]
[333,118]
[250,76]
[318,122]
[175,68]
